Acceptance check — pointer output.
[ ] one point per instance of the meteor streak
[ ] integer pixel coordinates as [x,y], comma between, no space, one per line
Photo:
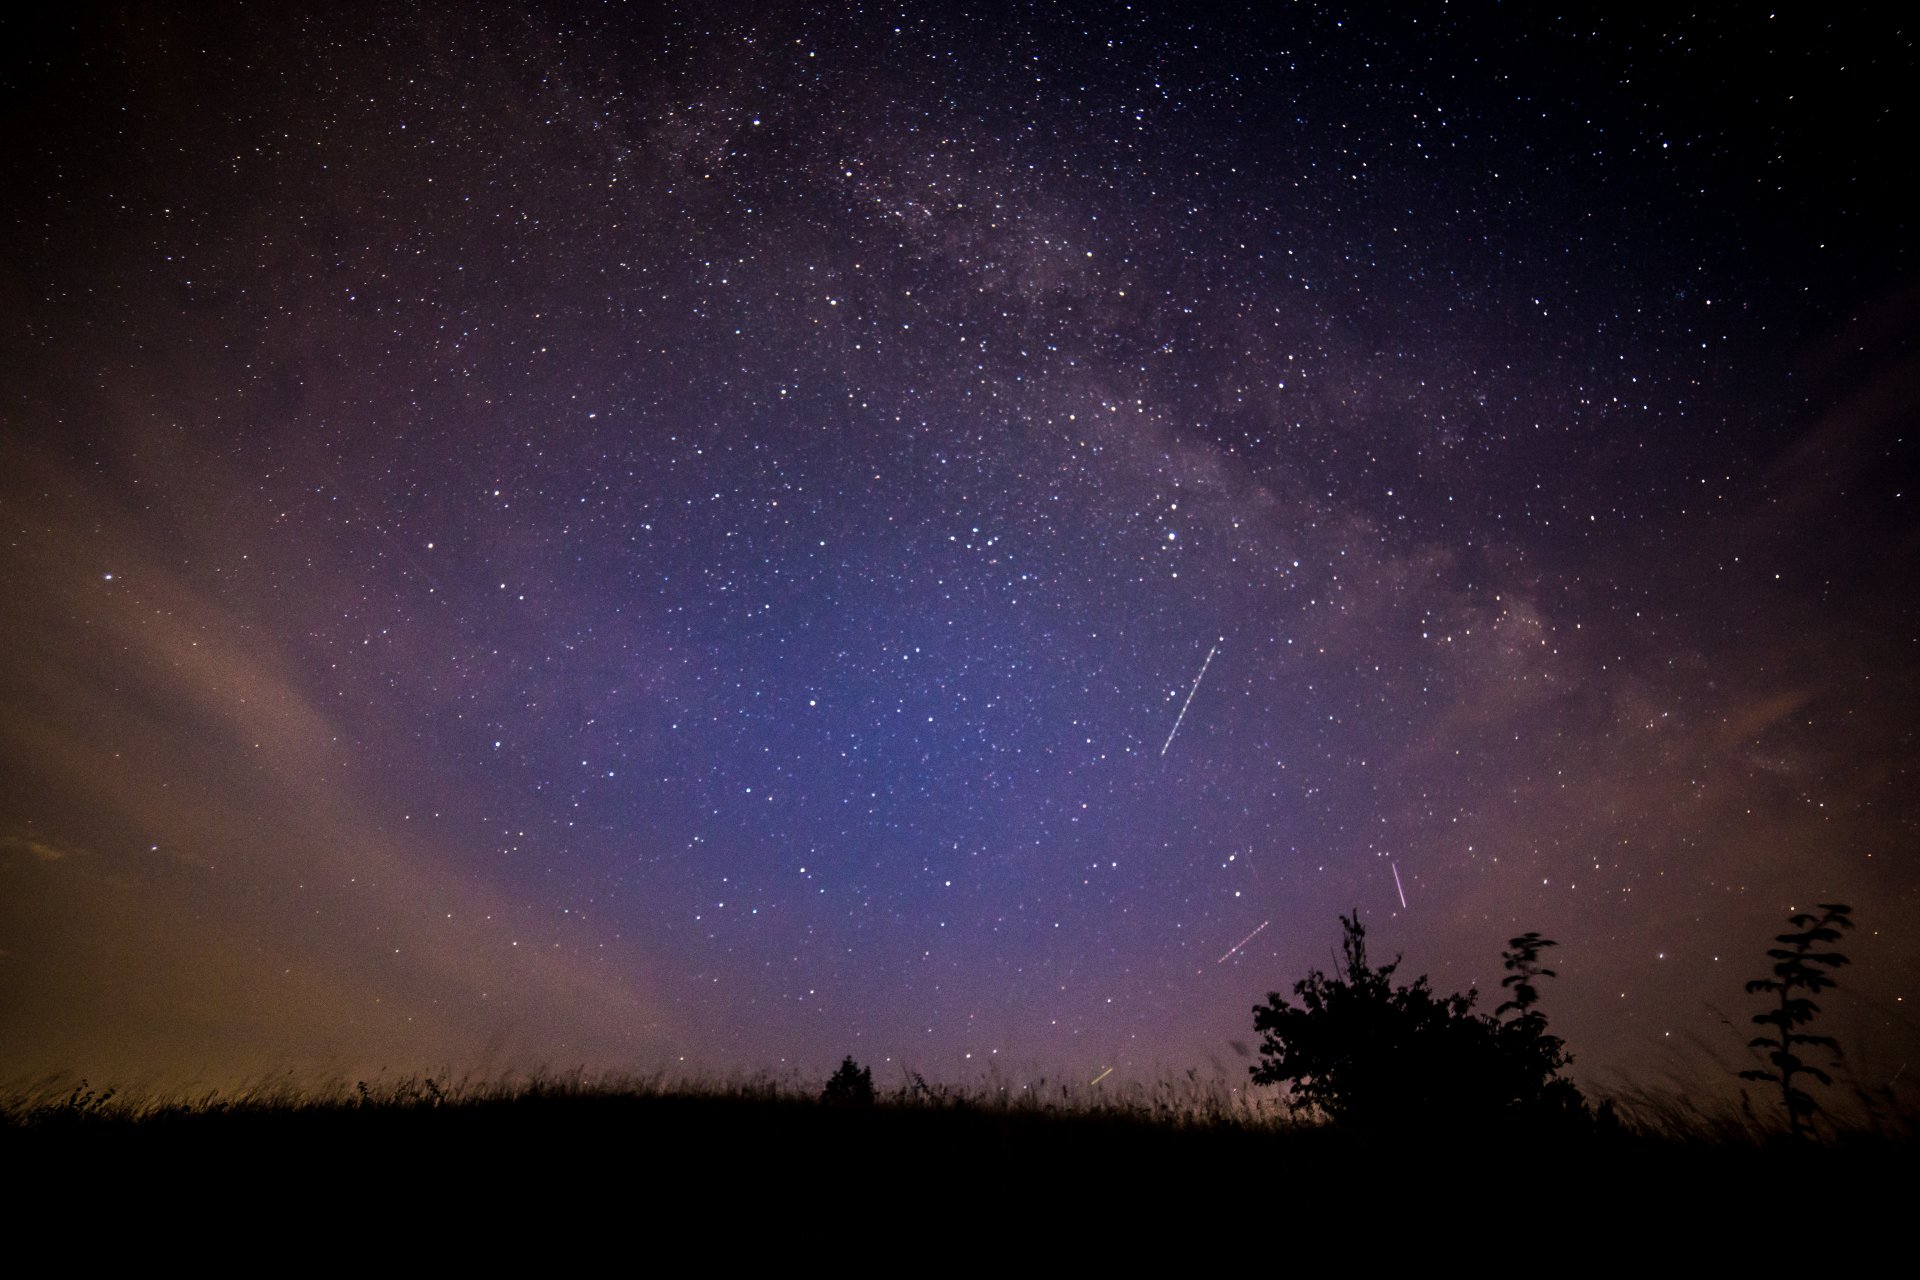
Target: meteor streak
[1102,1076]
[1243,942]
[1189,702]
[1397,886]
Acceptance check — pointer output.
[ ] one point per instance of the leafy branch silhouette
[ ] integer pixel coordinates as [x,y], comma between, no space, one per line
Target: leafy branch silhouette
[1798,968]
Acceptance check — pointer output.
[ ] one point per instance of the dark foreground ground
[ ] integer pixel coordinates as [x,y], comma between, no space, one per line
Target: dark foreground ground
[532,1176]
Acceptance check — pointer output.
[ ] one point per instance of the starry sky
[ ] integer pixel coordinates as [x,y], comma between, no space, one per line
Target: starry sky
[719,536]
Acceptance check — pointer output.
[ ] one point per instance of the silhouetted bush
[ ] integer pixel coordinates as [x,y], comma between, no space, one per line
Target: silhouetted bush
[851,1085]
[1368,1054]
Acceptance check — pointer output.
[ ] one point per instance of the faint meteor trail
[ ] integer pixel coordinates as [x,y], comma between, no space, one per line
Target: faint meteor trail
[1243,942]
[1189,702]
[1397,885]
[1102,1076]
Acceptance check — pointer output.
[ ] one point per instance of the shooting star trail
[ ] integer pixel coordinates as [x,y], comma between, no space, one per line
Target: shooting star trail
[1189,702]
[1102,1076]
[1397,885]
[1243,942]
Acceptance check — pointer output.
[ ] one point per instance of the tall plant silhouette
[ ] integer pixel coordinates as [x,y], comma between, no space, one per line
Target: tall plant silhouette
[1799,972]
[1524,971]
[1532,1056]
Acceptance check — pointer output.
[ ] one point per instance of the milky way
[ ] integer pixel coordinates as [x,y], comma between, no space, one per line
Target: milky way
[676,535]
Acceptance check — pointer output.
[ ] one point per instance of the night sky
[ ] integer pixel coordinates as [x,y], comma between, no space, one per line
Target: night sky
[690,536]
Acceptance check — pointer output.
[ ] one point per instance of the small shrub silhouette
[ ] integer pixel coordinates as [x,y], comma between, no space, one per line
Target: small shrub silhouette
[1798,968]
[1368,1054]
[850,1086]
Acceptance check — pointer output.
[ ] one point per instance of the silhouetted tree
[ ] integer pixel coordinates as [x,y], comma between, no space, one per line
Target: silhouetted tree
[1364,1052]
[851,1085]
[1798,968]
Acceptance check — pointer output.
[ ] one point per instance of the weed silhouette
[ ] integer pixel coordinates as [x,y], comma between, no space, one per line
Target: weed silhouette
[1798,968]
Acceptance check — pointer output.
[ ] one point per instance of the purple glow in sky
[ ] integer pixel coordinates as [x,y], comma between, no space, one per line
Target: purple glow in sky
[630,536]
